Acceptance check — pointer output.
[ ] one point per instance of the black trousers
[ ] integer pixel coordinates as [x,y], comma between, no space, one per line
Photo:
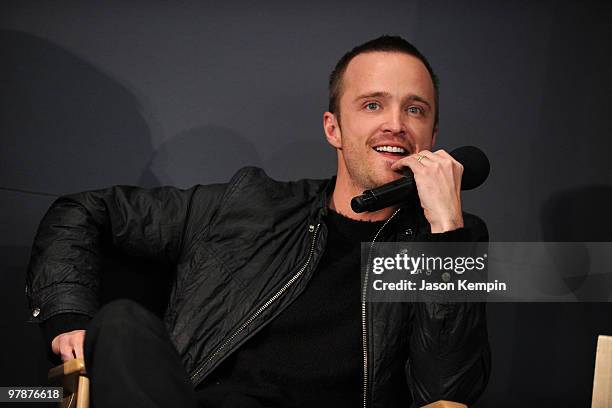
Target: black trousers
[131,361]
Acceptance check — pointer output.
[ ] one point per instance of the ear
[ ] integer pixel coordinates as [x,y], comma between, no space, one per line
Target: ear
[332,130]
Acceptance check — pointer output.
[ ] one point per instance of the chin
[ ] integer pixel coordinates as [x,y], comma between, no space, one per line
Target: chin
[386,177]
[374,175]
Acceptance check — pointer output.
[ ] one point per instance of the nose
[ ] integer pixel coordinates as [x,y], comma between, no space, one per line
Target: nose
[394,122]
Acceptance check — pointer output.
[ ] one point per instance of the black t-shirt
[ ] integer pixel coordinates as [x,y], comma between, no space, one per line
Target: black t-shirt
[311,354]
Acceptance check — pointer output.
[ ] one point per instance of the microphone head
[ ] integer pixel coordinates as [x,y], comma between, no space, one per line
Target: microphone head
[476,166]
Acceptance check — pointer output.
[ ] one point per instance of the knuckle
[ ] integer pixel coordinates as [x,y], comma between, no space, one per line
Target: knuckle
[61,342]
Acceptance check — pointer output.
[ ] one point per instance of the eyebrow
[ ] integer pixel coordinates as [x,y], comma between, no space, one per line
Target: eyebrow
[386,95]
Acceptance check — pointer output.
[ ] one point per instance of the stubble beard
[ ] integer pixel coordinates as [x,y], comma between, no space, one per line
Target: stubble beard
[362,175]
[362,169]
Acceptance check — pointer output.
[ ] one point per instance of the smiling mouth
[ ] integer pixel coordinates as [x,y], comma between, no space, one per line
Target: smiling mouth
[392,152]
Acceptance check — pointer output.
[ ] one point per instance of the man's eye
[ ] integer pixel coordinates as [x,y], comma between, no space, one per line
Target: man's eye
[415,109]
[372,106]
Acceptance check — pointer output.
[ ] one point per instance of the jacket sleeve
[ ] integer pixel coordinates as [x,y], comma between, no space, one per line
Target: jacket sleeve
[63,273]
[449,357]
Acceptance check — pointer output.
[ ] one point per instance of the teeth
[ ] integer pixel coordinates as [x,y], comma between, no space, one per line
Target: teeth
[390,149]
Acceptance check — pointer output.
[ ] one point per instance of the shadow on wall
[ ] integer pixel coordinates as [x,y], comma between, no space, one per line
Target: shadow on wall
[563,337]
[579,215]
[212,154]
[544,353]
[66,125]
[303,159]
[203,155]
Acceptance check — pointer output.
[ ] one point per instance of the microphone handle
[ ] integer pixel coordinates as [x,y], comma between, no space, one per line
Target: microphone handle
[386,195]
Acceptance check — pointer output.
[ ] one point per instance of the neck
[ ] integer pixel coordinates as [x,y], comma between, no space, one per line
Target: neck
[341,202]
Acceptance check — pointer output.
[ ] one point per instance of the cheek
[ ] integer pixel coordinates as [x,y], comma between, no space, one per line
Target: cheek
[361,128]
[423,134]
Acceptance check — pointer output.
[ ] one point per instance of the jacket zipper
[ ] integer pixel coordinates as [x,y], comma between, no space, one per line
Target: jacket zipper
[314,230]
[364,328]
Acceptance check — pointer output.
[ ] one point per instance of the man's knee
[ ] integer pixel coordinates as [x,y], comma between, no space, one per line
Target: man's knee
[123,317]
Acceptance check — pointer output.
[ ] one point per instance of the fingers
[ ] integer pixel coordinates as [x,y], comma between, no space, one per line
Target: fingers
[439,161]
[426,158]
[69,345]
[414,161]
[444,157]
[437,176]
[78,348]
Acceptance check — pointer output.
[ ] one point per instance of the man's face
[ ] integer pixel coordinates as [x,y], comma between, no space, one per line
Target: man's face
[387,103]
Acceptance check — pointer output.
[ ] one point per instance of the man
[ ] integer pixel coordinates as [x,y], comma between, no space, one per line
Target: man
[267,307]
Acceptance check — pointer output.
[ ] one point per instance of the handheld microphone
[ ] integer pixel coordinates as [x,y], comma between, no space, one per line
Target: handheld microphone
[476,169]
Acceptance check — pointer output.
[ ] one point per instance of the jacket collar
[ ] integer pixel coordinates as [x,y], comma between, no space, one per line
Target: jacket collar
[410,214]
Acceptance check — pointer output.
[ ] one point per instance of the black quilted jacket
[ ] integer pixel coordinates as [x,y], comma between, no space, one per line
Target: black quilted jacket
[243,251]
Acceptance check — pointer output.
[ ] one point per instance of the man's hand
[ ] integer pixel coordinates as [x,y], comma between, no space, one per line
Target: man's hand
[438,179]
[69,345]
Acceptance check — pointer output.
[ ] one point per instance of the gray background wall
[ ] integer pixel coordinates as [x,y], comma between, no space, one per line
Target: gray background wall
[150,93]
